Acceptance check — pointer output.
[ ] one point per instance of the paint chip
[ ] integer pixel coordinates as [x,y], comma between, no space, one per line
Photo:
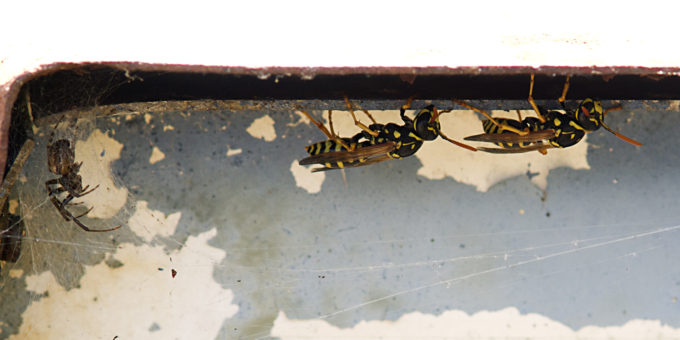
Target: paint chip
[305,179]
[233,152]
[263,128]
[156,155]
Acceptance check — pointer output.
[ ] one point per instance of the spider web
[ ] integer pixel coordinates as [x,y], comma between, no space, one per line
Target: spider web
[52,243]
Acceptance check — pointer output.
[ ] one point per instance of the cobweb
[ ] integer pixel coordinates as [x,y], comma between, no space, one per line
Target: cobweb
[219,241]
[51,243]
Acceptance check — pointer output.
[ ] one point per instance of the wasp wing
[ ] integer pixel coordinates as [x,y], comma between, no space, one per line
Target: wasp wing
[349,156]
[346,159]
[510,150]
[369,161]
[535,136]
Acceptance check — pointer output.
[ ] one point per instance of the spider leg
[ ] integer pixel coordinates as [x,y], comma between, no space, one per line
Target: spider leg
[82,226]
[86,192]
[57,191]
[67,200]
[50,183]
[83,214]
[64,213]
[53,130]
[68,216]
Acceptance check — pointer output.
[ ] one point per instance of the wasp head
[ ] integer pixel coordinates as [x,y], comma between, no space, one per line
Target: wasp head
[590,114]
[426,123]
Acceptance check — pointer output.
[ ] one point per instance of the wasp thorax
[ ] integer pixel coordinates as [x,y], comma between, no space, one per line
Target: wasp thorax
[426,127]
[589,114]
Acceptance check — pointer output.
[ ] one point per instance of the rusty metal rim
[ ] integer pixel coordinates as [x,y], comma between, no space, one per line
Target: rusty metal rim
[9,92]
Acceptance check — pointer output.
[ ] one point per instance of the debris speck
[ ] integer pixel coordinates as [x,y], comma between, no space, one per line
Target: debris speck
[233,152]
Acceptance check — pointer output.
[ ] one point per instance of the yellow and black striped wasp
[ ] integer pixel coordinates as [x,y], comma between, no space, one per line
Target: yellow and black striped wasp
[377,142]
[550,129]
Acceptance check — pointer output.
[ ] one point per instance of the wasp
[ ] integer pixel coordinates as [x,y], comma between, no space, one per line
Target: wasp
[549,129]
[377,142]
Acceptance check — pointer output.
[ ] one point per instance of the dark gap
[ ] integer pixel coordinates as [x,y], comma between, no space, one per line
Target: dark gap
[91,85]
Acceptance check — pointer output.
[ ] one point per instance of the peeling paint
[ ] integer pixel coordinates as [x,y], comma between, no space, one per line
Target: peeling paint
[263,128]
[306,179]
[507,323]
[147,223]
[139,289]
[96,170]
[156,155]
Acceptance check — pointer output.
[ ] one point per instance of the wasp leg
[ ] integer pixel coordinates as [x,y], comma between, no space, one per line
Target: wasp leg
[357,122]
[488,116]
[329,134]
[318,124]
[532,102]
[563,97]
[519,116]
[406,107]
[330,124]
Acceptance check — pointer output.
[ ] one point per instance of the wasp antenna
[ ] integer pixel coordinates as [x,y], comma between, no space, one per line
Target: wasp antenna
[457,143]
[629,140]
[438,113]
[615,108]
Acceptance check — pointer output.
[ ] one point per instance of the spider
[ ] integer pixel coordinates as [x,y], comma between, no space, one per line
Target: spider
[60,161]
